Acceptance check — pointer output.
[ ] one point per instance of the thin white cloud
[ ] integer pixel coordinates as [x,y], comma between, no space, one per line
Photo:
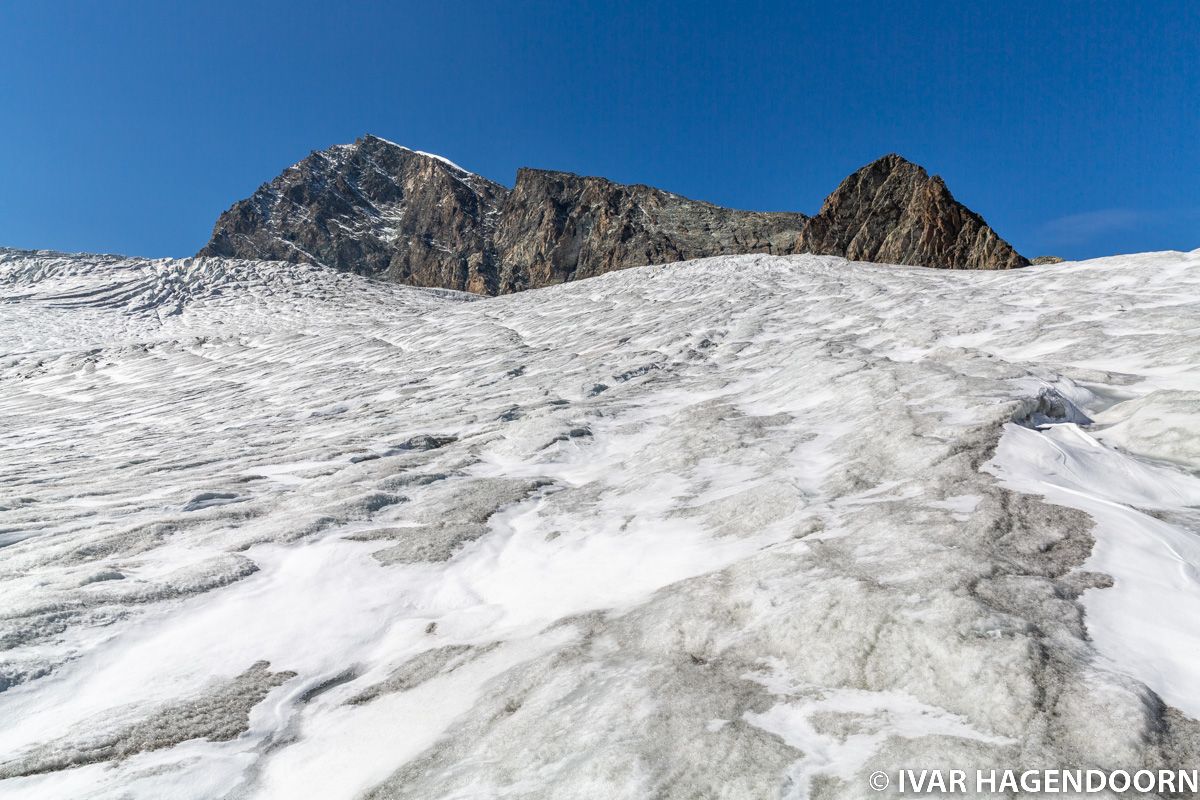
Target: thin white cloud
[1081,228]
[1086,227]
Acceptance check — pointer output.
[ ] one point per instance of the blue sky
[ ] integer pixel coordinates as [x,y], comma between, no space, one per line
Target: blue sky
[1075,130]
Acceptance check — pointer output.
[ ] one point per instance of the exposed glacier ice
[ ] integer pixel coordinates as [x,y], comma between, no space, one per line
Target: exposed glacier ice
[745,527]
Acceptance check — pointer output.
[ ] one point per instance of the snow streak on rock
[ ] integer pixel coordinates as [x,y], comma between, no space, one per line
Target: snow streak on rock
[745,527]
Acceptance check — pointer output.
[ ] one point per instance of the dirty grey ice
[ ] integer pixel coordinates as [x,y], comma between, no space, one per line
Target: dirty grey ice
[745,527]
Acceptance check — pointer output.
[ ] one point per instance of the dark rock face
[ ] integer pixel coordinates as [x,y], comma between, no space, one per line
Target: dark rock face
[558,227]
[379,209]
[1047,260]
[373,208]
[891,211]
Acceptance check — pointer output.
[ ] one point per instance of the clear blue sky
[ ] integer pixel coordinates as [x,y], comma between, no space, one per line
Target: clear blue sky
[1073,127]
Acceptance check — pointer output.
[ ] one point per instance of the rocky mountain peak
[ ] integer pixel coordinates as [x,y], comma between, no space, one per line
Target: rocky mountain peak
[892,211]
[375,208]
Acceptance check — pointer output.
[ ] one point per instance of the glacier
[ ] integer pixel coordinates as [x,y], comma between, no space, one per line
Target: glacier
[744,527]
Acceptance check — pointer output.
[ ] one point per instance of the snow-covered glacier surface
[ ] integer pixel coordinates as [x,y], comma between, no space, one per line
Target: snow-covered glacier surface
[748,527]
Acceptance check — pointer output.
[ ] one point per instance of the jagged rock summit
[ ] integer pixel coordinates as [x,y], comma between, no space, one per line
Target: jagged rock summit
[891,211]
[376,208]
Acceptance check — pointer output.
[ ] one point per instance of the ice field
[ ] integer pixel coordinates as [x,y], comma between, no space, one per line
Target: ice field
[745,527]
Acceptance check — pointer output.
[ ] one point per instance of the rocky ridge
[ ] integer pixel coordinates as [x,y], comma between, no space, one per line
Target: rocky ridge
[376,208]
[557,227]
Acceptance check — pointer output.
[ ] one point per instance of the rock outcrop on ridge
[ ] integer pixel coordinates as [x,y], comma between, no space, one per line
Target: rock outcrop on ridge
[379,209]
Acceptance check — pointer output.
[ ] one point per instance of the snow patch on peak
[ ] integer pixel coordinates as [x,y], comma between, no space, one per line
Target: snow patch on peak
[434,156]
[444,160]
